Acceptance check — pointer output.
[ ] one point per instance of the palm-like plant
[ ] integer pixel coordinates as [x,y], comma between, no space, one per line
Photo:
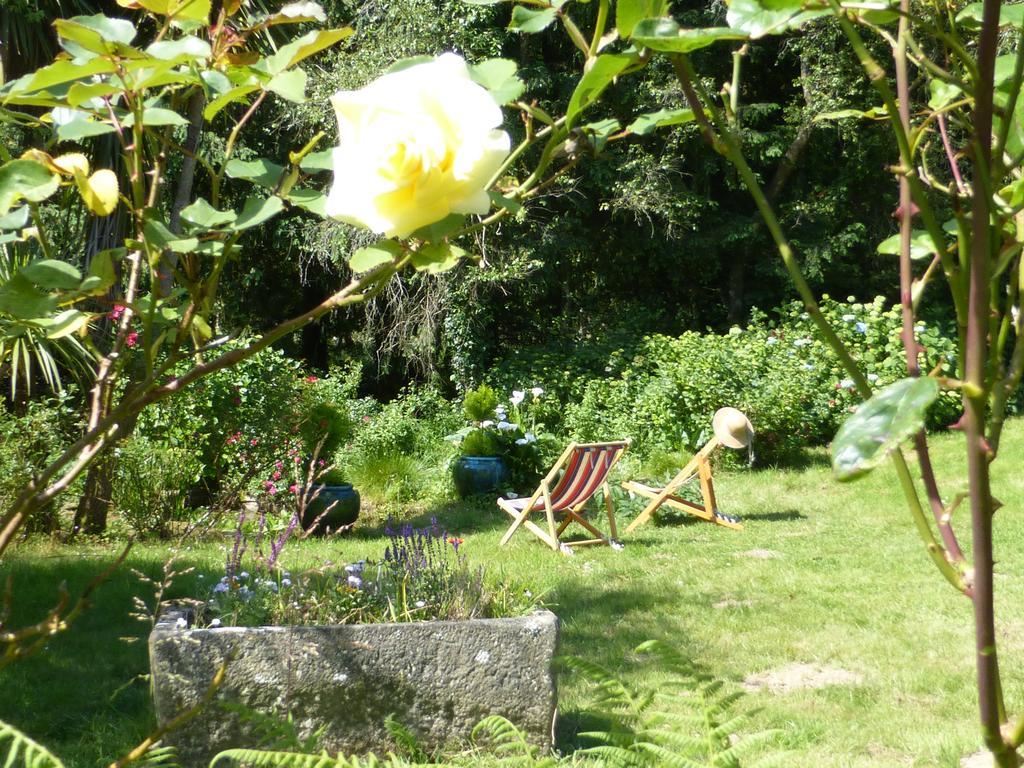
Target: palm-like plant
[31,349]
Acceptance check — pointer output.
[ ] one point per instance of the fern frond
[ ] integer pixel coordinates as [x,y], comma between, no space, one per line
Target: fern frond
[730,726]
[259,758]
[612,692]
[160,757]
[24,751]
[405,740]
[669,656]
[615,757]
[686,745]
[748,743]
[504,736]
[667,757]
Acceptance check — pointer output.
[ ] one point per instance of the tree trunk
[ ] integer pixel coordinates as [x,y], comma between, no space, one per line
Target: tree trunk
[95,502]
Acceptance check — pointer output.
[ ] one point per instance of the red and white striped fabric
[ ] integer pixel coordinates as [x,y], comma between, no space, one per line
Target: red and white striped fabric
[585,471]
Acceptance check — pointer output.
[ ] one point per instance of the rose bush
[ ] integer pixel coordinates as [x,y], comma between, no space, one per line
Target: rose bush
[415,146]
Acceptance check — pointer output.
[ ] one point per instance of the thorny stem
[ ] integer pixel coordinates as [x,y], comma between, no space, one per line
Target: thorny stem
[730,147]
[910,345]
[229,147]
[954,166]
[975,398]
[877,76]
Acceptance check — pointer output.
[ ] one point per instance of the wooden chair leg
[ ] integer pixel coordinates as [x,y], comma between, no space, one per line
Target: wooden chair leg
[608,508]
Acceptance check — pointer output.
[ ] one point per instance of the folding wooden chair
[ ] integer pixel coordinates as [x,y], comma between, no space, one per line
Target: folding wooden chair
[731,429]
[586,467]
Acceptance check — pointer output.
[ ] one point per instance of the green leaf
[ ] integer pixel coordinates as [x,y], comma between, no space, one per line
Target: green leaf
[499,77]
[529,21]
[410,61]
[66,323]
[236,94]
[203,215]
[315,162]
[101,271]
[82,129]
[16,219]
[184,48]
[18,297]
[304,47]
[663,118]
[80,93]
[258,210]
[290,85]
[596,134]
[769,17]
[605,69]
[921,246]
[942,93]
[1009,15]
[84,35]
[179,10]
[439,230]
[484,2]
[666,35]
[25,179]
[508,203]
[261,171]
[435,258]
[156,116]
[64,71]
[875,113]
[159,236]
[630,12]
[879,425]
[292,13]
[52,274]
[310,200]
[374,255]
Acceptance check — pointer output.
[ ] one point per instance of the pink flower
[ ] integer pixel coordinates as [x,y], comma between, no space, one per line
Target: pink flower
[366,419]
[321,462]
[279,464]
[276,475]
[132,338]
[293,488]
[311,379]
[269,487]
[254,441]
[116,312]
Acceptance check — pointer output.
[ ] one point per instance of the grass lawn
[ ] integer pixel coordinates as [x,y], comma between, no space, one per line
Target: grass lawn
[845,584]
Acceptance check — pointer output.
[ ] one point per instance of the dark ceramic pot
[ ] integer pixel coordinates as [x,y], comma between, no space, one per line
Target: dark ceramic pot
[479,474]
[345,511]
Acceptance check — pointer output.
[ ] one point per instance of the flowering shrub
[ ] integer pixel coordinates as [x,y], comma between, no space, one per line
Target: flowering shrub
[510,431]
[423,575]
[787,381]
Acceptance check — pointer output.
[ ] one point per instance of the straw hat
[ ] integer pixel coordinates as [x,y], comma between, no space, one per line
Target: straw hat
[732,428]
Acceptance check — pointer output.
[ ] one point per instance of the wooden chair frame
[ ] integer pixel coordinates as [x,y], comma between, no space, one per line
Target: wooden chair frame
[552,536]
[700,466]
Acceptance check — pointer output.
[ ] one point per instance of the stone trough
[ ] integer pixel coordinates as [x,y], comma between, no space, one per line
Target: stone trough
[438,678]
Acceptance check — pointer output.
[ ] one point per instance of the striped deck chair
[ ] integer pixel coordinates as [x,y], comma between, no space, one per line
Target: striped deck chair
[585,468]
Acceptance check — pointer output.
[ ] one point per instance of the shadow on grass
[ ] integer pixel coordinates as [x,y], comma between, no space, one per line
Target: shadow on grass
[604,624]
[83,694]
[474,515]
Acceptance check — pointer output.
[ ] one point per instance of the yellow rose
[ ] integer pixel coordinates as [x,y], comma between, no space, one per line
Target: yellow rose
[415,146]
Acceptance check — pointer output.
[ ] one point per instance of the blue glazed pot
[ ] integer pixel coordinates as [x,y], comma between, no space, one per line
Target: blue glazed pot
[345,511]
[479,474]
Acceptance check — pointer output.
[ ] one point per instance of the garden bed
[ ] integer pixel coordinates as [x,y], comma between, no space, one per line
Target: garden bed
[438,679]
